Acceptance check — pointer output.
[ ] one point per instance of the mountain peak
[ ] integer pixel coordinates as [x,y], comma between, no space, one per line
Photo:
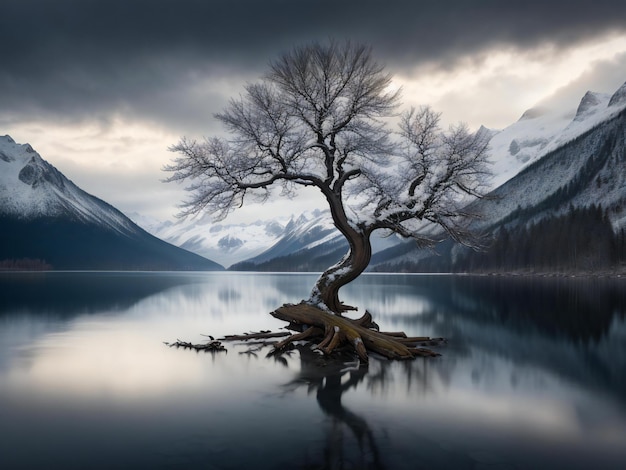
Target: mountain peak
[619,97]
[43,215]
[9,150]
[487,132]
[32,186]
[589,103]
[533,113]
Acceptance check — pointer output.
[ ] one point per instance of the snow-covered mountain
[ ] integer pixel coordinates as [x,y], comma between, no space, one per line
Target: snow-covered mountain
[306,241]
[297,242]
[540,131]
[224,243]
[30,187]
[583,164]
[310,242]
[45,216]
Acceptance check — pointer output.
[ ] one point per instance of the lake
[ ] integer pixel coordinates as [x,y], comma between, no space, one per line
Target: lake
[533,375]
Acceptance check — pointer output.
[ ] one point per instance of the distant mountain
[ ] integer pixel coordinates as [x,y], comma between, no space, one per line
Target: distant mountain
[306,242]
[541,130]
[571,187]
[46,217]
[544,163]
[309,243]
[224,243]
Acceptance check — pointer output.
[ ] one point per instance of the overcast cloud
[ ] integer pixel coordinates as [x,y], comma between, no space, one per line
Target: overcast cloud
[85,75]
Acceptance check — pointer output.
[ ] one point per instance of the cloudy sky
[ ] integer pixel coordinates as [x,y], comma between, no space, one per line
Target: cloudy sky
[101,88]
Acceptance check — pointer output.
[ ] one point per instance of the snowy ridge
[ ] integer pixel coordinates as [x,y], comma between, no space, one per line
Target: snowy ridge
[305,232]
[540,131]
[48,220]
[567,165]
[307,240]
[258,242]
[31,187]
[577,163]
[619,97]
[226,244]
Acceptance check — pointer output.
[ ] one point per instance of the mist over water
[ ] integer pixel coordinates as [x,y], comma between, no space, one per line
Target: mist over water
[532,375]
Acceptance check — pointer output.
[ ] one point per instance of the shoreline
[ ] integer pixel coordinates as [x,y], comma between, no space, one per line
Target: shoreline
[604,274]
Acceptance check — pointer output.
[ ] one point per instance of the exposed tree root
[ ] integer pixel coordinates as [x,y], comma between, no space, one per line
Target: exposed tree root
[330,333]
[260,335]
[361,334]
[210,346]
[214,345]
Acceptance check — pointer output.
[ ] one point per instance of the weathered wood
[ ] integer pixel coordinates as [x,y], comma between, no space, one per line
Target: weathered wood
[308,333]
[330,333]
[210,346]
[258,335]
[424,352]
[397,334]
[340,330]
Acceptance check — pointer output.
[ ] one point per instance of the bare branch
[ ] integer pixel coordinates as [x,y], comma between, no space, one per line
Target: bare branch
[317,119]
[311,121]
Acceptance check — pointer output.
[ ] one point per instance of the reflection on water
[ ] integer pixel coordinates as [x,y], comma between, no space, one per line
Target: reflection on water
[533,375]
[574,328]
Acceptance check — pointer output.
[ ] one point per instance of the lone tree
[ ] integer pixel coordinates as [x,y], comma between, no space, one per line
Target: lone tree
[319,118]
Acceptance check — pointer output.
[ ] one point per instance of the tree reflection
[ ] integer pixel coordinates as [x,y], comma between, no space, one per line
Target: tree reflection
[329,381]
[349,432]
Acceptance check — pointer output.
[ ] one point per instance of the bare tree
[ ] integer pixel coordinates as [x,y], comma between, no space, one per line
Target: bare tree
[319,118]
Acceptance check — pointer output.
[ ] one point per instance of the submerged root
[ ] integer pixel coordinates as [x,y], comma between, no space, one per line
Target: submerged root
[329,334]
[214,345]
[210,346]
[255,335]
[334,332]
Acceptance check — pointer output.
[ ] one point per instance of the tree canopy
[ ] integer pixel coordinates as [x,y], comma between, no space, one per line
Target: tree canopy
[322,117]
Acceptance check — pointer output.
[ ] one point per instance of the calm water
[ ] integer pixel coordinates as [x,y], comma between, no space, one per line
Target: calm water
[534,375]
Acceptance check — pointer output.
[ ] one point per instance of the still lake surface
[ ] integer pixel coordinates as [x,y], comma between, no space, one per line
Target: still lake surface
[533,375]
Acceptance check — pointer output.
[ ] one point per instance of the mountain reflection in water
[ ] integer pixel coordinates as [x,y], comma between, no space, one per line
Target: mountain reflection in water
[532,376]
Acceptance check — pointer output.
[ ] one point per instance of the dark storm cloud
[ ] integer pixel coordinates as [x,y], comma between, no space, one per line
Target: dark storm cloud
[79,58]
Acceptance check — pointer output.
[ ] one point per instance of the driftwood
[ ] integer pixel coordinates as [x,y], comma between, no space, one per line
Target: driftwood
[260,335]
[210,346]
[329,333]
[360,334]
[214,345]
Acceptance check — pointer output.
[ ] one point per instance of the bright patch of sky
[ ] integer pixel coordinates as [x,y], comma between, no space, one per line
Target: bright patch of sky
[496,87]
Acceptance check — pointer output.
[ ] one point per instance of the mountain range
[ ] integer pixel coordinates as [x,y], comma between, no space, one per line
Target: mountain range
[549,161]
[47,222]
[550,167]
[304,242]
[571,179]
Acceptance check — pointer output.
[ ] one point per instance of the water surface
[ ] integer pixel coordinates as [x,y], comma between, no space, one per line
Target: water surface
[533,375]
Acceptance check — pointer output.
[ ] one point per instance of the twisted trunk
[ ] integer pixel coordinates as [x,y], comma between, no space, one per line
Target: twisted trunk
[351,265]
[347,270]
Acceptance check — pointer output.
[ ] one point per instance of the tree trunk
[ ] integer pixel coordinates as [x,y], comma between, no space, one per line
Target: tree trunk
[350,267]
[347,270]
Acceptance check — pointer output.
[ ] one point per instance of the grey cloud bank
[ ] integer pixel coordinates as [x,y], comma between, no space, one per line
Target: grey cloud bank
[80,78]
[72,59]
